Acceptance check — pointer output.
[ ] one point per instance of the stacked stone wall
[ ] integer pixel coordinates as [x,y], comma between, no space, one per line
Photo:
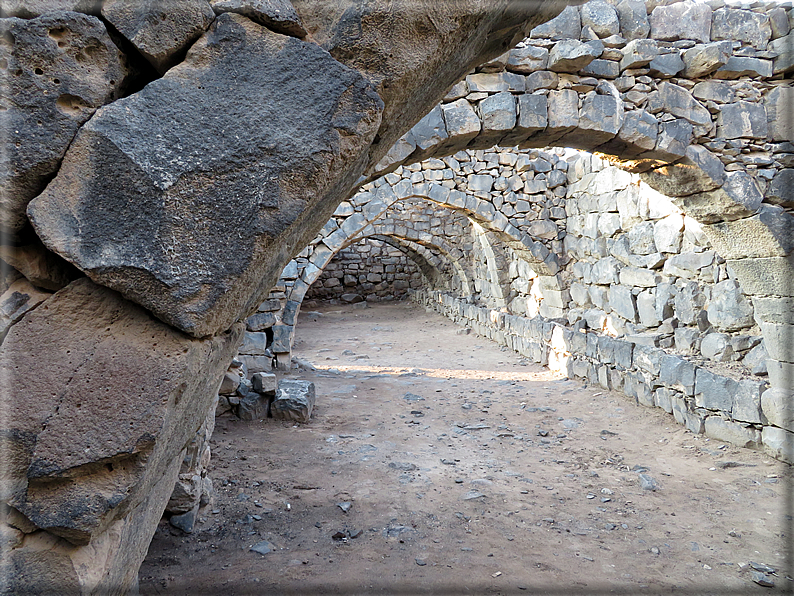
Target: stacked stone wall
[369,270]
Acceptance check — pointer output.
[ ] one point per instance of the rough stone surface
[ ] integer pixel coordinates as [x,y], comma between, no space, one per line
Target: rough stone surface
[144,244]
[294,400]
[729,309]
[277,15]
[682,20]
[65,66]
[170,383]
[778,407]
[161,30]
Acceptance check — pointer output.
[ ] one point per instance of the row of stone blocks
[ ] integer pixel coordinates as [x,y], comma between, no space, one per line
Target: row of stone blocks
[744,412]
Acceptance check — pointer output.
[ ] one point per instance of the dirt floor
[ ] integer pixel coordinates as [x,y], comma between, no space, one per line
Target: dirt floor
[439,463]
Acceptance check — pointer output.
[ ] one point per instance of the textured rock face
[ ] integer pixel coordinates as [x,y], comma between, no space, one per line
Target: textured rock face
[123,449]
[277,15]
[173,168]
[411,58]
[161,30]
[58,69]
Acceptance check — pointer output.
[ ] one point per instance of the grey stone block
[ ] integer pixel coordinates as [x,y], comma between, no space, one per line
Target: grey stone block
[295,400]
[566,25]
[717,347]
[622,302]
[264,382]
[731,432]
[253,406]
[662,398]
[678,373]
[714,392]
[779,443]
[633,19]
[254,343]
[649,359]
[682,20]
[746,26]
[747,402]
[777,404]
[742,119]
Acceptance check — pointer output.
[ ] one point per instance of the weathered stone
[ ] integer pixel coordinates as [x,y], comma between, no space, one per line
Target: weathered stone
[688,264]
[294,400]
[277,15]
[742,66]
[777,405]
[737,434]
[666,65]
[623,302]
[605,271]
[600,118]
[678,373]
[746,26]
[689,302]
[742,119]
[768,233]
[104,343]
[646,309]
[543,79]
[229,384]
[673,139]
[779,443]
[633,19]
[779,340]
[717,91]
[65,66]
[679,102]
[430,130]
[260,321]
[19,298]
[781,190]
[784,48]
[600,17]
[571,55]
[566,25]
[639,130]
[562,110]
[714,392]
[498,112]
[778,22]
[686,340]
[729,310]
[527,60]
[604,69]
[668,232]
[765,276]
[641,240]
[638,53]
[681,20]
[28,9]
[717,347]
[755,360]
[161,30]
[495,82]
[264,382]
[747,402]
[643,278]
[738,197]
[703,59]
[142,244]
[252,406]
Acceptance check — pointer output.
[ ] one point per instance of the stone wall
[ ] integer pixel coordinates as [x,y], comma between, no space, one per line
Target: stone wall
[633,272]
[161,165]
[370,270]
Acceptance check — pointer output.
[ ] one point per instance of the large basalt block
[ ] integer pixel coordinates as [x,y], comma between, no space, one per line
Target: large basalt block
[156,184]
[64,67]
[119,395]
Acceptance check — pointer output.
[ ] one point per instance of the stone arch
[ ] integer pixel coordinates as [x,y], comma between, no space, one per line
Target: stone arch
[680,128]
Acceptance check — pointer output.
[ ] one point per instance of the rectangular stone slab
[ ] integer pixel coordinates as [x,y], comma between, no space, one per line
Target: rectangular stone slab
[184,196]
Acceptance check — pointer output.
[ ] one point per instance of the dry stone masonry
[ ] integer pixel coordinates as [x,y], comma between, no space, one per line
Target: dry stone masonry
[162,163]
[683,250]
